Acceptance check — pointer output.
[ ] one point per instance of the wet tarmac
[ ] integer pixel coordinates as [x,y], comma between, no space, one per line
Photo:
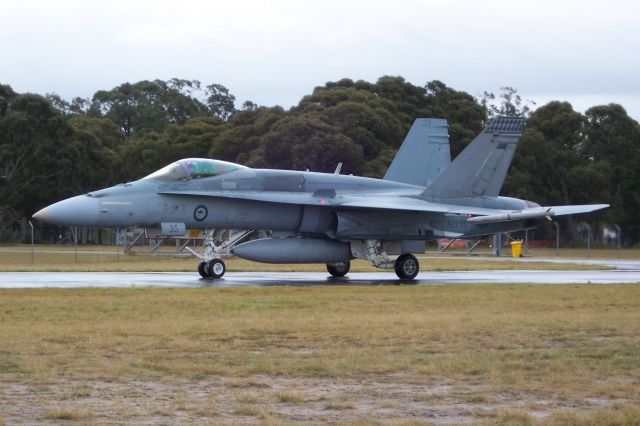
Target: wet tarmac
[242,279]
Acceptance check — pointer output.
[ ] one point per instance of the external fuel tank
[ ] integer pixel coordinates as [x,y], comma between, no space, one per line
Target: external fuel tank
[294,250]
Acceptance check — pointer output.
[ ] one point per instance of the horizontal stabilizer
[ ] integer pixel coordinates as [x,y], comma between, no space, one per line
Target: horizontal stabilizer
[537,213]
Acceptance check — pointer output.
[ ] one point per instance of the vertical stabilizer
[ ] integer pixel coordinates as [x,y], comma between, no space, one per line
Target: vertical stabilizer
[423,154]
[481,168]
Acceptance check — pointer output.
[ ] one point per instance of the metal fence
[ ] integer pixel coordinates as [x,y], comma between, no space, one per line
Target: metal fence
[81,244]
[548,233]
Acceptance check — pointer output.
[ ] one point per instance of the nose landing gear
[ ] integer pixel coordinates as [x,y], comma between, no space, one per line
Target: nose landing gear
[215,268]
[211,266]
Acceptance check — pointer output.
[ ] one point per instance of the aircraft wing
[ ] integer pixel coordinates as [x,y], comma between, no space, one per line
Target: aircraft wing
[347,201]
[415,204]
[537,213]
[394,202]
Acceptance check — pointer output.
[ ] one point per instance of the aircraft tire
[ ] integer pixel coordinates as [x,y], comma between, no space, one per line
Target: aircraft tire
[338,269]
[216,268]
[202,270]
[407,266]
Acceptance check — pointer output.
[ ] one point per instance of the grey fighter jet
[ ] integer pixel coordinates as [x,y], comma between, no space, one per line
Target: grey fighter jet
[329,218]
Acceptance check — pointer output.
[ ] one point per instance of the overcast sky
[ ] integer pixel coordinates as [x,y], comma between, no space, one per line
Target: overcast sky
[582,51]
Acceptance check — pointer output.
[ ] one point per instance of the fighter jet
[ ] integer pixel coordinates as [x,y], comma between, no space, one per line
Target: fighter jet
[329,218]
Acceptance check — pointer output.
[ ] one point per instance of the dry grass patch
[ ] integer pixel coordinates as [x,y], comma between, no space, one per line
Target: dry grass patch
[516,336]
[507,417]
[338,406]
[618,415]
[245,410]
[68,413]
[542,253]
[328,349]
[290,398]
[597,253]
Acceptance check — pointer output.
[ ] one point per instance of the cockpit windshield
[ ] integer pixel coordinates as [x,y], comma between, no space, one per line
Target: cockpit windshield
[193,168]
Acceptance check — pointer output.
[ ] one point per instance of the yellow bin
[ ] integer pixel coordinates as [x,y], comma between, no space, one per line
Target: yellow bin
[516,248]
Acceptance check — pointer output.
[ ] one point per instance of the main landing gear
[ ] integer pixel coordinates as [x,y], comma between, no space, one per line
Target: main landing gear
[338,269]
[406,265]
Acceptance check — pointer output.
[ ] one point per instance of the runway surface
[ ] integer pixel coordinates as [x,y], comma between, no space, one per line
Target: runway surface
[241,279]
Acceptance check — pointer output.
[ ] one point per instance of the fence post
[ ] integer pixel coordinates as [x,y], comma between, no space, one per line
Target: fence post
[32,253]
[618,237]
[588,239]
[115,240]
[497,242]
[74,229]
[557,226]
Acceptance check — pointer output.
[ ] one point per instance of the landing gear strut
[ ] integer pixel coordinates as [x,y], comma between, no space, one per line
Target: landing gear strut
[407,266]
[375,251]
[211,266]
[338,269]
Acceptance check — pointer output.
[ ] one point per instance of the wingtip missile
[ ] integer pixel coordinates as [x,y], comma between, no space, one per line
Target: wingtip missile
[537,213]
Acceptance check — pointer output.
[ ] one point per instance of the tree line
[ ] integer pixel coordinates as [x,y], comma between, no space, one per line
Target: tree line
[51,148]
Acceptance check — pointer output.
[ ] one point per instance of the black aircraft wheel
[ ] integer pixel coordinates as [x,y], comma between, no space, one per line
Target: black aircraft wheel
[216,268]
[202,270]
[407,266]
[338,269]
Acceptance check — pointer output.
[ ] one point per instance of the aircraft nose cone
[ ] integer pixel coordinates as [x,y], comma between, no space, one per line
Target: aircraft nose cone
[42,215]
[76,211]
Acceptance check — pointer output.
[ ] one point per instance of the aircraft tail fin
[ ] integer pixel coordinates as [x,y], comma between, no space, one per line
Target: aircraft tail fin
[423,154]
[481,168]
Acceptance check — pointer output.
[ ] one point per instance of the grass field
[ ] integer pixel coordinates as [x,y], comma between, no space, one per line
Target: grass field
[104,258]
[489,354]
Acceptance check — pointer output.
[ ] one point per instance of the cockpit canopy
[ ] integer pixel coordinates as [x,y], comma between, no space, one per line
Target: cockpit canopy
[194,168]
